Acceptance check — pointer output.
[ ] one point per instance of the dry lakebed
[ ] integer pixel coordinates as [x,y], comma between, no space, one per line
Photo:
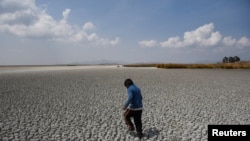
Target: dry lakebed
[84,102]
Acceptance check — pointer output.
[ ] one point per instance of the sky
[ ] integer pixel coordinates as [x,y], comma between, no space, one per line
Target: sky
[47,32]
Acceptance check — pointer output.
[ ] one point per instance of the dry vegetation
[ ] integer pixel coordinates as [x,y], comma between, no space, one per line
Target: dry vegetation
[238,65]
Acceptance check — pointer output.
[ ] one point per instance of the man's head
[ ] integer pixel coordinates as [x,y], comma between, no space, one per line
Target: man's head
[128,82]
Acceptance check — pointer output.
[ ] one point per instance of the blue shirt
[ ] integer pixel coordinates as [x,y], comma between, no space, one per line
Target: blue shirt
[134,101]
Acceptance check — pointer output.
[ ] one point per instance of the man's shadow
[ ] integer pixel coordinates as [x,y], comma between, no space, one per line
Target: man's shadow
[151,132]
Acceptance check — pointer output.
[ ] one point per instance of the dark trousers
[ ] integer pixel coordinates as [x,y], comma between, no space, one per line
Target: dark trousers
[136,114]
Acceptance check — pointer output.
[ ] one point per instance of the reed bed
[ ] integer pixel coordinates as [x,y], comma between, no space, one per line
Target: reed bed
[240,65]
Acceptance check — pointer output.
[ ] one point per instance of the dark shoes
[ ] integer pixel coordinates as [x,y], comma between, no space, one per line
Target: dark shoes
[131,132]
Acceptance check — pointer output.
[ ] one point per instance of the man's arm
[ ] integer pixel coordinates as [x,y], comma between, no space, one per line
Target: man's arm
[130,96]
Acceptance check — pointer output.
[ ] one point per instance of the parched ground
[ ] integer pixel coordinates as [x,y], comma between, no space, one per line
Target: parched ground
[85,104]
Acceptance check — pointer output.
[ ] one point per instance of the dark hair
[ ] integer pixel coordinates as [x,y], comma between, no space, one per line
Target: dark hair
[128,82]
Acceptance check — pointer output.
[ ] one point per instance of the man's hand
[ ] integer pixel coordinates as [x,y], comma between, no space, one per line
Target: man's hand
[124,108]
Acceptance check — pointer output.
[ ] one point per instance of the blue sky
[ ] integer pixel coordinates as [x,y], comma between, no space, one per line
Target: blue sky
[130,31]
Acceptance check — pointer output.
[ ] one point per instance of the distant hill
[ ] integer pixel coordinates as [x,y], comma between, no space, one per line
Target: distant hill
[98,62]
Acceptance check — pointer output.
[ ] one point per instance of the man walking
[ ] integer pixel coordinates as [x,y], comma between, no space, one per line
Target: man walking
[133,107]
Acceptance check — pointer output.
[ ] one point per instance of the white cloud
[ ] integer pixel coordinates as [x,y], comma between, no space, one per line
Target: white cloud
[115,41]
[106,42]
[243,42]
[229,41]
[173,42]
[148,43]
[66,13]
[14,12]
[92,37]
[88,26]
[26,20]
[203,36]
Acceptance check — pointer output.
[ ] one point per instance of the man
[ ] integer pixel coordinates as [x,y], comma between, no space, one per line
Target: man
[133,107]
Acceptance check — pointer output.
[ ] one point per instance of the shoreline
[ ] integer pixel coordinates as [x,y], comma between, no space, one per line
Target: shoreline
[22,69]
